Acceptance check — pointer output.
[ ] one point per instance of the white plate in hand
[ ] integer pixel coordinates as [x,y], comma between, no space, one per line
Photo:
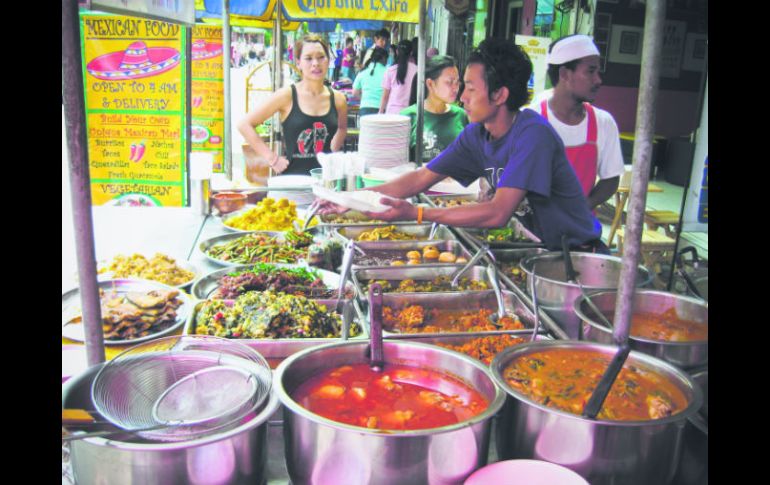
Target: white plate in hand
[360,200]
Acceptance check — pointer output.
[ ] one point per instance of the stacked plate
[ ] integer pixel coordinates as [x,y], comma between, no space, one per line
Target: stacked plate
[296,183]
[384,140]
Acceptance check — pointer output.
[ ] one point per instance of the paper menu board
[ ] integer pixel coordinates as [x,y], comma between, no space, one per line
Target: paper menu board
[134,82]
[208,99]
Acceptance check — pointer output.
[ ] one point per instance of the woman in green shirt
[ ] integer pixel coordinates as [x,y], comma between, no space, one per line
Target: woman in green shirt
[443,120]
[368,83]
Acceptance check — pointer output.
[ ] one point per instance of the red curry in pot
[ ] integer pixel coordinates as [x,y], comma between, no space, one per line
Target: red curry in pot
[398,398]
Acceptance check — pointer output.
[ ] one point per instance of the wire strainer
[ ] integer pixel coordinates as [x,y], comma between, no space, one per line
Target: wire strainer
[181,388]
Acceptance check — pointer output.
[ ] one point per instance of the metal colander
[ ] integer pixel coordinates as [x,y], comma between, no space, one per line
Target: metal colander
[181,388]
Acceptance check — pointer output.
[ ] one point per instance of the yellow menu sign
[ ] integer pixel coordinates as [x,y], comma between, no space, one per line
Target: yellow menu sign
[134,81]
[208,95]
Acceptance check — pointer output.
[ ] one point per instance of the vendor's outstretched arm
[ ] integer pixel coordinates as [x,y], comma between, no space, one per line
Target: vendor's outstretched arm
[494,213]
[602,191]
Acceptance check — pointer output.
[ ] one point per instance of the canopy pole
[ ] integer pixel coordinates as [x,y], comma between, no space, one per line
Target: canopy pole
[73,98]
[226,52]
[275,129]
[645,130]
[420,84]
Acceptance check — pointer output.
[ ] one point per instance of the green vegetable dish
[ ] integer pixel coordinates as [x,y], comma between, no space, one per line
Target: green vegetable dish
[256,248]
[260,315]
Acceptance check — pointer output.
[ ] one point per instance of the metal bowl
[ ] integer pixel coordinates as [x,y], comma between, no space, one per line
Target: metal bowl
[235,456]
[598,272]
[227,202]
[602,451]
[319,450]
[683,354]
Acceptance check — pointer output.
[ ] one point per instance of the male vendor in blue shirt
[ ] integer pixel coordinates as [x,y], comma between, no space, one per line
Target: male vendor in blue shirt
[518,152]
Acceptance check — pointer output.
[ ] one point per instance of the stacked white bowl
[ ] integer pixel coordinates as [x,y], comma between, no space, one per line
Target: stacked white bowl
[384,140]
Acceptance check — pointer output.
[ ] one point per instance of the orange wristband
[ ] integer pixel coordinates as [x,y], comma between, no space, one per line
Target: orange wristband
[419,214]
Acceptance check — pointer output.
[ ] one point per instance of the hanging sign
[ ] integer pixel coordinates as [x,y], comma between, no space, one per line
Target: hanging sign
[537,49]
[208,93]
[134,81]
[165,10]
[386,10]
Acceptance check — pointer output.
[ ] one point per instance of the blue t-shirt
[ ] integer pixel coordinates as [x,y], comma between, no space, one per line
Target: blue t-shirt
[370,85]
[530,157]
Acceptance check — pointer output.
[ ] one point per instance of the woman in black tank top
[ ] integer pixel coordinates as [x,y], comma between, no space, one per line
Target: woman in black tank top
[320,127]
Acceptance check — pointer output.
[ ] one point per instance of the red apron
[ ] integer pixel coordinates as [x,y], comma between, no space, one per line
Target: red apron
[583,158]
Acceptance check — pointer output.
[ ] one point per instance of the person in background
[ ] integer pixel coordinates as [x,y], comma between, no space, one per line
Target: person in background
[313,115]
[443,120]
[337,62]
[432,51]
[348,59]
[397,82]
[381,39]
[392,54]
[590,134]
[517,151]
[368,83]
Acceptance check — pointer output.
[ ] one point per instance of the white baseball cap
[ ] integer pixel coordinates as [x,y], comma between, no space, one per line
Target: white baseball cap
[571,48]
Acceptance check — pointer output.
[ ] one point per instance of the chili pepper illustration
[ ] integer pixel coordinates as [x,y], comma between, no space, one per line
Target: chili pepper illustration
[319,135]
[140,151]
[133,152]
[197,101]
[303,140]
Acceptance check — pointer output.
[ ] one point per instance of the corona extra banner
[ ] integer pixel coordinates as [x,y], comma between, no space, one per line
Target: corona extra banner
[134,82]
[208,93]
[387,10]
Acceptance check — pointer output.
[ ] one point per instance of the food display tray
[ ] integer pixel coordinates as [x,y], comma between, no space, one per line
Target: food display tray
[514,257]
[452,301]
[70,307]
[423,272]
[301,214]
[420,232]
[276,350]
[398,250]
[208,284]
[318,235]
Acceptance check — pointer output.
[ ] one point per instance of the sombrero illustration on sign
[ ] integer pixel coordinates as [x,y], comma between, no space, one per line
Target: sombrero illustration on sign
[205,50]
[137,61]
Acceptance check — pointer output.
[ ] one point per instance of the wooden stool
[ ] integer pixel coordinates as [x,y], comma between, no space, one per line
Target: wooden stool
[656,248]
[668,220]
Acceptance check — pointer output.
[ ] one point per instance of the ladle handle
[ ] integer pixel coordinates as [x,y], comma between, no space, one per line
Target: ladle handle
[535,304]
[595,402]
[495,282]
[484,249]
[571,274]
[375,325]
[347,263]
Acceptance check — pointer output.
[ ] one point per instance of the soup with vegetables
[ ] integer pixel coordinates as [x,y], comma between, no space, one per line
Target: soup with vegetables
[565,378]
[398,398]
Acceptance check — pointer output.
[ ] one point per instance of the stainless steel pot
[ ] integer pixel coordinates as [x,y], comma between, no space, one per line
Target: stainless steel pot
[683,354]
[693,467]
[236,456]
[603,452]
[321,451]
[598,272]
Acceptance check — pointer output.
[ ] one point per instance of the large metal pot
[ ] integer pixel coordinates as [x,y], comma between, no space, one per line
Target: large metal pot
[604,452]
[597,272]
[235,456]
[319,450]
[693,467]
[683,354]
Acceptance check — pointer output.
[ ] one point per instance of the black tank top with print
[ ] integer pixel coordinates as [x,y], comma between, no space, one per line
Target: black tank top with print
[305,135]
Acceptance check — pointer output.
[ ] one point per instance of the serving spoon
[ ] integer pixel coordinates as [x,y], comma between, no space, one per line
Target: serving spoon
[376,358]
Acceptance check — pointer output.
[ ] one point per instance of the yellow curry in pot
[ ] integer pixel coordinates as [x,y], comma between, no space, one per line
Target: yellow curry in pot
[565,378]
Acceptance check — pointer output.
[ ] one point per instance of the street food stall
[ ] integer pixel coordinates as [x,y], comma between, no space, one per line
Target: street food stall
[221,353]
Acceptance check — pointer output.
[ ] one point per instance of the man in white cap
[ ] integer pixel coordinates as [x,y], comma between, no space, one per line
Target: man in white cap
[590,134]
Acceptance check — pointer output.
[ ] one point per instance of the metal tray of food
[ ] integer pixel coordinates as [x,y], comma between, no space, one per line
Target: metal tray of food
[452,302]
[207,285]
[206,245]
[375,255]
[420,273]
[349,218]
[450,200]
[456,342]
[419,231]
[74,329]
[508,260]
[275,350]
